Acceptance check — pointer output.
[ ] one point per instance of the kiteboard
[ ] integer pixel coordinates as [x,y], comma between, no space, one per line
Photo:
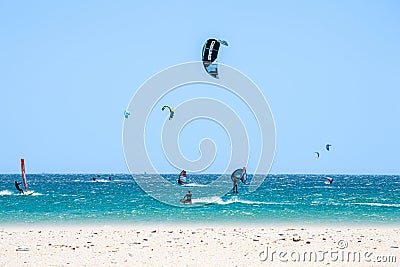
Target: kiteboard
[29,193]
[183,201]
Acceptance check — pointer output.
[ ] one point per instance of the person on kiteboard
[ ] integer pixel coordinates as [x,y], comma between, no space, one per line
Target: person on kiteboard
[235,187]
[239,174]
[187,198]
[18,188]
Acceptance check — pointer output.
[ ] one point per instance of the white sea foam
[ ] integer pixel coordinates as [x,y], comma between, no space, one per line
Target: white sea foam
[33,194]
[213,199]
[235,199]
[102,181]
[5,193]
[379,204]
[193,184]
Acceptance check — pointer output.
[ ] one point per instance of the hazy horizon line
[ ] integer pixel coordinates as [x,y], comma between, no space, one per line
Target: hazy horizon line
[123,173]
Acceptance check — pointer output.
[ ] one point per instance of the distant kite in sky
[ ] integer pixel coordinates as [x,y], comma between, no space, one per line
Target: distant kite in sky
[317,154]
[171,111]
[210,54]
[126,114]
[327,146]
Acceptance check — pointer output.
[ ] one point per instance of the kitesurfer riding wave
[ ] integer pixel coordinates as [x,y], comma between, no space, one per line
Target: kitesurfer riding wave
[239,174]
[187,199]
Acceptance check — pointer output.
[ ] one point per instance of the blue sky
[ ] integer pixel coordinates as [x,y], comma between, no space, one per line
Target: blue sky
[328,69]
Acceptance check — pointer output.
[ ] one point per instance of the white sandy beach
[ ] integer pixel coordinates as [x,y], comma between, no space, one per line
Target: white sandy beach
[123,245]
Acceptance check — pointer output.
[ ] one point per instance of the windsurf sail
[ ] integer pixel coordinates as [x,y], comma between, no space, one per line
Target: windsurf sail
[182,177]
[182,174]
[23,174]
[240,174]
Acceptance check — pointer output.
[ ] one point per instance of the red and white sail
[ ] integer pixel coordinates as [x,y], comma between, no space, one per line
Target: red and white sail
[182,177]
[23,174]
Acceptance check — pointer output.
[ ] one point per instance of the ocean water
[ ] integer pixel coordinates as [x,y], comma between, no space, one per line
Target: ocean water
[304,199]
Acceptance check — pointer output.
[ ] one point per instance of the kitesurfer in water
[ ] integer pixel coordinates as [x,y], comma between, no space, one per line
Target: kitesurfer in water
[180,182]
[187,198]
[95,179]
[18,188]
[330,180]
[235,187]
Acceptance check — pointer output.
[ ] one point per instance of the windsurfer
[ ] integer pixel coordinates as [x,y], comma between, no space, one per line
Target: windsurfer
[187,199]
[182,181]
[18,188]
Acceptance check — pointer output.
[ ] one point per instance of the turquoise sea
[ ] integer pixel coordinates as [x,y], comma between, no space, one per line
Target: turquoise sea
[303,199]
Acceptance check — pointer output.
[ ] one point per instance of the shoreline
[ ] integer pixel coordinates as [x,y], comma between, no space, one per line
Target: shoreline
[127,224]
[174,173]
[198,245]
[124,222]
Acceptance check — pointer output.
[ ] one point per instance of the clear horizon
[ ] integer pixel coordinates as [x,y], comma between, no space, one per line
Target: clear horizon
[329,71]
[127,173]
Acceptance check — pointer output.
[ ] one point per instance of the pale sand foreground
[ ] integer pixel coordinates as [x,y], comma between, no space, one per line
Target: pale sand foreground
[198,246]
